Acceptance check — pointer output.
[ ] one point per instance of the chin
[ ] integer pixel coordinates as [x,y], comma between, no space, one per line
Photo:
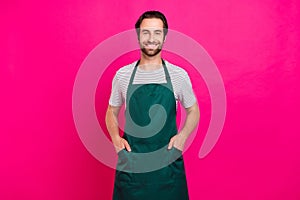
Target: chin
[151,53]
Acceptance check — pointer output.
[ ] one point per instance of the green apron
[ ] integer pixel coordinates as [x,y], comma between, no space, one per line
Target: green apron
[136,177]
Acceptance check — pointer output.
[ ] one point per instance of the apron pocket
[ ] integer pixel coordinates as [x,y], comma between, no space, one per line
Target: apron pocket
[124,166]
[174,154]
[124,161]
[176,164]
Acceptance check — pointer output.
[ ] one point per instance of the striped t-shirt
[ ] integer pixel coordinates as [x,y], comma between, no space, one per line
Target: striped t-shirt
[181,83]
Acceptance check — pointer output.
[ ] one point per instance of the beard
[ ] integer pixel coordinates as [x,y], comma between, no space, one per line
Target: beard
[151,52]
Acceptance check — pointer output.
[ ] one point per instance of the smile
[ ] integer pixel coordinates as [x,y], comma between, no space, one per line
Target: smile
[151,46]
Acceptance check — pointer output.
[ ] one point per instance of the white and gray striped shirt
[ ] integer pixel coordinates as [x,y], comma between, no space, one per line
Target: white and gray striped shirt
[182,86]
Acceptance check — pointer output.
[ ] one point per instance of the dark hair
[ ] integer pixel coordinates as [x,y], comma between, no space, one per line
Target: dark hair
[149,15]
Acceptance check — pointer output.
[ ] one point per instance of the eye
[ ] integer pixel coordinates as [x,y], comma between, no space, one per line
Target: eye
[145,32]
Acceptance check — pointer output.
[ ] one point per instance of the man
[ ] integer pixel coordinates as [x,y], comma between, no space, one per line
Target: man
[150,89]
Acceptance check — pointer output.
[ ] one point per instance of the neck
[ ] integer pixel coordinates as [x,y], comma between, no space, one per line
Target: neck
[150,63]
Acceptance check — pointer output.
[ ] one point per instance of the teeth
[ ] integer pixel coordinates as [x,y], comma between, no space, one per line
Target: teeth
[151,45]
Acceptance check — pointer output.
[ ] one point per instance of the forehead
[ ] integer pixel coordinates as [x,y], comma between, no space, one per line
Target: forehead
[152,23]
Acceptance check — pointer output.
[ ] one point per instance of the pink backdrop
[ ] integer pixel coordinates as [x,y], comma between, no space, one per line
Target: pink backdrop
[255,45]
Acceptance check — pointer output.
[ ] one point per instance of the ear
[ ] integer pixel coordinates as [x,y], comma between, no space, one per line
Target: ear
[138,39]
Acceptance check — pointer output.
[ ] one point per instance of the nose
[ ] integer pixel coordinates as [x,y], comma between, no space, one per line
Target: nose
[151,37]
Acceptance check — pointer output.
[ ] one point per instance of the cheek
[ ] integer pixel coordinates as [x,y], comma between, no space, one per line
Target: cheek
[159,38]
[160,41]
[143,39]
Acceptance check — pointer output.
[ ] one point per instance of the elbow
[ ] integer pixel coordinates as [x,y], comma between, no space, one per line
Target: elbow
[197,113]
[108,115]
[194,111]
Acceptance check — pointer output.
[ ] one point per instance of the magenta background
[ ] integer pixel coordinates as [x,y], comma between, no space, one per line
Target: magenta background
[255,45]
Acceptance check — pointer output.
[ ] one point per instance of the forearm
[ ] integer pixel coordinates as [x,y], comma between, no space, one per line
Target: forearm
[111,121]
[192,119]
[112,125]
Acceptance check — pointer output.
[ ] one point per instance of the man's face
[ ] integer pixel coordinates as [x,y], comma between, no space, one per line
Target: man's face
[151,36]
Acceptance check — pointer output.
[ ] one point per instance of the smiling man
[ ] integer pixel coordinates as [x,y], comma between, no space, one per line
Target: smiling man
[150,89]
[151,36]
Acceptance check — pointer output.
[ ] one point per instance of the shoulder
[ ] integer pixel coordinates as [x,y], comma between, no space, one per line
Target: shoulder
[125,71]
[176,71]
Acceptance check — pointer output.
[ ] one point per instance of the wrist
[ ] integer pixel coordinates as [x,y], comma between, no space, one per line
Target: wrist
[115,137]
[183,135]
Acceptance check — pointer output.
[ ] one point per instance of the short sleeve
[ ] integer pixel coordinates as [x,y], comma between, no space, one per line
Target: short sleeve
[186,95]
[116,98]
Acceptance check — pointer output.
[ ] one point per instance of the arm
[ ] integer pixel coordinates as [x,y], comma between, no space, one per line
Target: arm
[190,124]
[112,125]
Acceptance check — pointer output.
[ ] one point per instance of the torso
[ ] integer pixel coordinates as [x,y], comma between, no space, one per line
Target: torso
[177,75]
